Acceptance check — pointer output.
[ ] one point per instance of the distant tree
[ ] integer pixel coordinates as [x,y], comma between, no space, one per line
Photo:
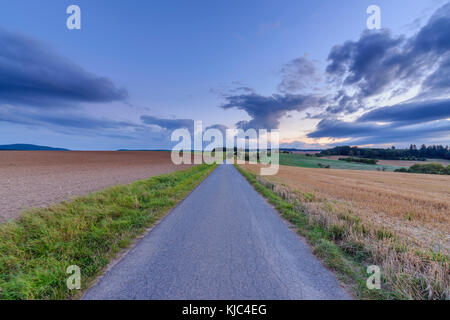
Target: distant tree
[423,151]
[392,153]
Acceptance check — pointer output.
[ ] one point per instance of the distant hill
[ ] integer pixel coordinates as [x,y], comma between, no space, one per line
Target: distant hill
[143,150]
[29,147]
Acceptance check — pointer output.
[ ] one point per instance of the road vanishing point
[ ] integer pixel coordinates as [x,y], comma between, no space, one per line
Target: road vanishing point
[225,242]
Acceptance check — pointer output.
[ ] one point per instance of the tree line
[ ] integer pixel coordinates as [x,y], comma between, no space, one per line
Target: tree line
[429,168]
[412,153]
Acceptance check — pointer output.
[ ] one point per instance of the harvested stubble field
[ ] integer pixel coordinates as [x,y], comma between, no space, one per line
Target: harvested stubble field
[401,220]
[39,178]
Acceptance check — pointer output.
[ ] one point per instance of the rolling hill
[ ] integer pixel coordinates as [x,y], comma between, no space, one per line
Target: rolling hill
[29,147]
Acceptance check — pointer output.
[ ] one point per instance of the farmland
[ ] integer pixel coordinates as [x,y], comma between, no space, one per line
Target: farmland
[301,160]
[39,178]
[37,247]
[400,222]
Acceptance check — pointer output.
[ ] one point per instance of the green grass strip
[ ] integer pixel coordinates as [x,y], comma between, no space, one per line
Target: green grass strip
[301,160]
[37,248]
[347,267]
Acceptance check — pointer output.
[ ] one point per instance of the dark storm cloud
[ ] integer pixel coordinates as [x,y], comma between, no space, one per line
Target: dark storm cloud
[371,133]
[341,129]
[416,112]
[434,36]
[402,122]
[431,131]
[378,60]
[266,111]
[365,61]
[168,124]
[375,64]
[32,74]
[59,120]
[440,79]
[341,103]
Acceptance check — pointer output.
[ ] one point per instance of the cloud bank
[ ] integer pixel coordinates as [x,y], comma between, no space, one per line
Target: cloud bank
[266,111]
[32,74]
[381,63]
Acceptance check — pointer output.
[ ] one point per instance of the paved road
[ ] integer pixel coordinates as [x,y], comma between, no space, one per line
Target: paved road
[222,242]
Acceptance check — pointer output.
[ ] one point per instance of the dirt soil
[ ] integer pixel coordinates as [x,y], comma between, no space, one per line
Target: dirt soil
[40,178]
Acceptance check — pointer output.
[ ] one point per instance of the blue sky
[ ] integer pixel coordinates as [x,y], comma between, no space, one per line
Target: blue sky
[138,69]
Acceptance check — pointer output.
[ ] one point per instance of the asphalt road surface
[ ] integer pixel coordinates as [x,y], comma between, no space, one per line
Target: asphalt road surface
[224,241]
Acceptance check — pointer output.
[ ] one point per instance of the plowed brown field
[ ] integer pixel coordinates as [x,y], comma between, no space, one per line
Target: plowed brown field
[39,178]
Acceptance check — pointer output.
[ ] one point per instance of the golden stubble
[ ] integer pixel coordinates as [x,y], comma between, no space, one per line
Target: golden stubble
[414,206]
[401,219]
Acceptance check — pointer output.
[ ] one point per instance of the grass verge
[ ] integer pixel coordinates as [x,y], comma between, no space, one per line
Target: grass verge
[350,271]
[38,247]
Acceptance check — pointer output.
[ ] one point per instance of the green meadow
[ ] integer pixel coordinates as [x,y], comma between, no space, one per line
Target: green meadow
[301,160]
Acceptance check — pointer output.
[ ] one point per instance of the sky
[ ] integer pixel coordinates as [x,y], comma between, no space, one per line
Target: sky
[137,70]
